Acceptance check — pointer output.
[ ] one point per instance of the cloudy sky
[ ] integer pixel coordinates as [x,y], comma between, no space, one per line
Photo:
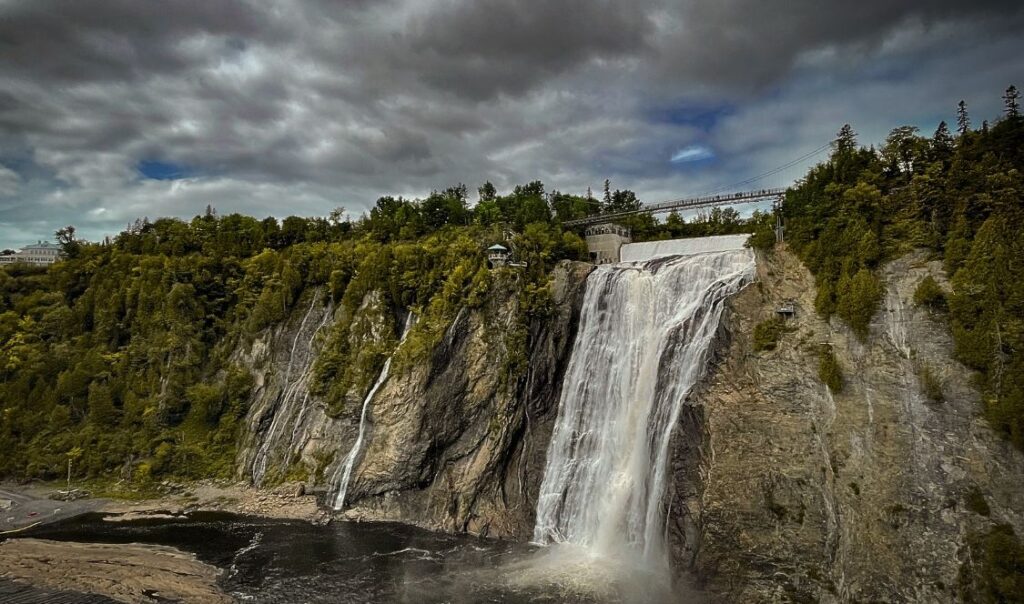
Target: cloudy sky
[112,110]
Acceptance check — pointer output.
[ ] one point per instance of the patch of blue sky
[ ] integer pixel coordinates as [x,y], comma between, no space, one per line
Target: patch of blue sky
[162,170]
[697,116]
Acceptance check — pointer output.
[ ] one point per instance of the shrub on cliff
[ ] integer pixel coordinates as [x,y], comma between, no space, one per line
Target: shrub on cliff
[929,294]
[763,237]
[994,571]
[931,384]
[858,299]
[829,371]
[767,333]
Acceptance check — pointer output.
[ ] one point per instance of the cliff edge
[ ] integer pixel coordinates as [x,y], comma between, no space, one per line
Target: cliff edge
[788,491]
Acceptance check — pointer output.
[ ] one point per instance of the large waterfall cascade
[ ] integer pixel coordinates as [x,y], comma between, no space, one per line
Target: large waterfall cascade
[343,473]
[645,333]
[295,393]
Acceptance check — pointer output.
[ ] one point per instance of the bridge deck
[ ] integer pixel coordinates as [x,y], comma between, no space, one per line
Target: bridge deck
[690,203]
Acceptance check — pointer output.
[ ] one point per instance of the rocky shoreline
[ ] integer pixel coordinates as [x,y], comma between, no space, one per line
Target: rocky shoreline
[135,572]
[30,505]
[124,573]
[285,502]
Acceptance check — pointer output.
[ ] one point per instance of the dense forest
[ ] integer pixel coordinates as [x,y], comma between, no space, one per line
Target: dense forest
[960,195]
[118,359]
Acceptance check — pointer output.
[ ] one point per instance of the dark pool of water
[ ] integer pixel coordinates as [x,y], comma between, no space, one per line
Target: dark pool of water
[267,560]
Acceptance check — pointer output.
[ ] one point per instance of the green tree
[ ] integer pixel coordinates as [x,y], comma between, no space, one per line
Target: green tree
[846,140]
[101,405]
[930,294]
[487,192]
[963,121]
[829,371]
[903,148]
[1011,100]
[68,242]
[858,299]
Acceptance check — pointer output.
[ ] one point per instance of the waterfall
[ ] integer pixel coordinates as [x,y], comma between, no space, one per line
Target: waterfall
[284,410]
[342,475]
[644,337]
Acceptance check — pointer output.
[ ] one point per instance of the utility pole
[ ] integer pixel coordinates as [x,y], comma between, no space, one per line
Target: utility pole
[73,454]
[779,226]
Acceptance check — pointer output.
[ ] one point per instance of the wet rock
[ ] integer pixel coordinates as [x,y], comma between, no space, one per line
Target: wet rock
[124,572]
[451,442]
[785,491]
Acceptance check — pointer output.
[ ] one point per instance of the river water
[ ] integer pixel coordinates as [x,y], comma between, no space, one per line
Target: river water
[280,561]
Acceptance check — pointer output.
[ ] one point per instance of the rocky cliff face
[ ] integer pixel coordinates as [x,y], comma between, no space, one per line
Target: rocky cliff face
[786,491]
[782,489]
[452,442]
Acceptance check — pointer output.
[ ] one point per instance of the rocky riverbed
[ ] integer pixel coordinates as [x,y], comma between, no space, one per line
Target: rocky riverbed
[122,572]
[288,501]
[127,572]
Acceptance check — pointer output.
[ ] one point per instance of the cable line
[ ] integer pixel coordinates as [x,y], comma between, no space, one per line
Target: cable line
[773,171]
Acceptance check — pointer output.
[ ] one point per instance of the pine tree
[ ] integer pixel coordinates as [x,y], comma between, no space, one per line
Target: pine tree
[846,139]
[607,192]
[101,405]
[1012,102]
[963,121]
[942,141]
[942,135]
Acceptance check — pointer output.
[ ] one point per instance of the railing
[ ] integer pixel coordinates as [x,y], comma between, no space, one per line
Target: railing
[684,204]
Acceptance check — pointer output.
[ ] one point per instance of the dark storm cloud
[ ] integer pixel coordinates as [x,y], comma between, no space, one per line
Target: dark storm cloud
[290,106]
[479,48]
[73,41]
[744,44]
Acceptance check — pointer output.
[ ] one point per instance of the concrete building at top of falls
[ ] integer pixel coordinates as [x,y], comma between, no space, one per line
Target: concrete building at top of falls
[605,240]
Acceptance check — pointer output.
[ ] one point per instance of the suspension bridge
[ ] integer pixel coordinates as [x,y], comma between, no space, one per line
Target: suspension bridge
[689,203]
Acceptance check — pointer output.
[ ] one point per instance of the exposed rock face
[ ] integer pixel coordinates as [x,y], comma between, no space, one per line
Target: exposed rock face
[452,443]
[785,491]
[124,572]
[782,490]
[283,414]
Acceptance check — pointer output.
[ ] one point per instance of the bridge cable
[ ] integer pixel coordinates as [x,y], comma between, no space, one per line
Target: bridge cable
[771,172]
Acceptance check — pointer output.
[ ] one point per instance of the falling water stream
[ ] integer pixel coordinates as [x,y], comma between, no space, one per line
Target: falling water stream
[285,411]
[644,338]
[342,475]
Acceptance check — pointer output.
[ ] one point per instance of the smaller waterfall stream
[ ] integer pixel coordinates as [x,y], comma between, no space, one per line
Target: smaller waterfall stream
[339,482]
[284,411]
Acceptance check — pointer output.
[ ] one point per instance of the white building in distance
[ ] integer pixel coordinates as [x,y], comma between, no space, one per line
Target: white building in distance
[39,253]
